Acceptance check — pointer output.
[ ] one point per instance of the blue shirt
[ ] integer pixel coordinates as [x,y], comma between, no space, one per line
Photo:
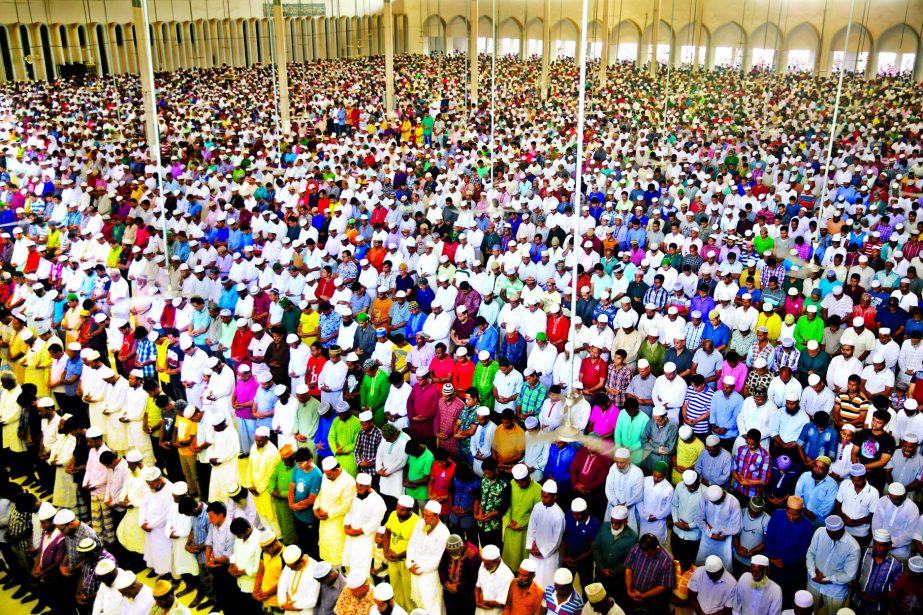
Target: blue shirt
[558,466]
[724,411]
[485,341]
[579,537]
[720,335]
[819,498]
[786,540]
[73,368]
[306,483]
[200,320]
[816,442]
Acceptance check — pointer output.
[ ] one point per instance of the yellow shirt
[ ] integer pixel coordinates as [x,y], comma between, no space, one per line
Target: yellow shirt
[154,417]
[161,346]
[308,322]
[400,531]
[773,324]
[272,570]
[185,430]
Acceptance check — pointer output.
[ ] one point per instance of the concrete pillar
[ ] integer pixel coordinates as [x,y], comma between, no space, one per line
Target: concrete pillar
[388,35]
[781,61]
[473,51]
[604,39]
[655,38]
[746,57]
[17,52]
[285,112]
[146,71]
[871,67]
[917,73]
[697,36]
[523,42]
[546,48]
[37,52]
[132,45]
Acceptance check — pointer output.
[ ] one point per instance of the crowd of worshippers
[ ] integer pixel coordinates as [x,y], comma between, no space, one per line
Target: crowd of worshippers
[364,368]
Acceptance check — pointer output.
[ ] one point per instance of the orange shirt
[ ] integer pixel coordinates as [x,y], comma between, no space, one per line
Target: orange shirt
[524,601]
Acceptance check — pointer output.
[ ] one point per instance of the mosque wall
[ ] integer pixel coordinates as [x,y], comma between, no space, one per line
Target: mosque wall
[38,40]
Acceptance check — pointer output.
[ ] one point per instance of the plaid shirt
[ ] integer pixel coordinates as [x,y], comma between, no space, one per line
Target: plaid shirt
[693,335]
[530,400]
[367,447]
[657,296]
[650,572]
[767,272]
[19,532]
[751,465]
[618,379]
[786,358]
[90,582]
[147,351]
[73,539]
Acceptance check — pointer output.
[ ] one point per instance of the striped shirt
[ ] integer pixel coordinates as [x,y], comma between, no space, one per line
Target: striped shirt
[650,572]
[697,404]
[751,465]
[853,407]
[571,606]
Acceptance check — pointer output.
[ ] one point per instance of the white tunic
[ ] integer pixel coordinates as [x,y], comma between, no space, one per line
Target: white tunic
[494,586]
[391,458]
[625,489]
[425,550]
[546,531]
[657,502]
[300,588]
[154,509]
[177,529]
[365,514]
[225,449]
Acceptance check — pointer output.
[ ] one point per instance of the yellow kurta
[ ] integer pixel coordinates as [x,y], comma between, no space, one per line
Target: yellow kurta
[37,363]
[129,531]
[261,464]
[335,498]
[10,413]
[18,347]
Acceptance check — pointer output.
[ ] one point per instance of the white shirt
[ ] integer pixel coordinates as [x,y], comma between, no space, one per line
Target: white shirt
[713,596]
[857,505]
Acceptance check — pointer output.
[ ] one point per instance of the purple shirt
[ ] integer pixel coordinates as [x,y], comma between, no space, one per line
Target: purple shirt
[244,391]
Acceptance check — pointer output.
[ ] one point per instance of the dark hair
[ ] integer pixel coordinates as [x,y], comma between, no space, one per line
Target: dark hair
[303,454]
[239,525]
[218,508]
[489,464]
[187,505]
[107,457]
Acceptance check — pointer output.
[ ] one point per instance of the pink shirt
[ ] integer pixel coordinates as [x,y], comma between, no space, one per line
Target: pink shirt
[603,421]
[739,373]
[245,390]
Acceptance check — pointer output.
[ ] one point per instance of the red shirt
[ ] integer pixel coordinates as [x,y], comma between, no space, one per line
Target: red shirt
[315,364]
[592,372]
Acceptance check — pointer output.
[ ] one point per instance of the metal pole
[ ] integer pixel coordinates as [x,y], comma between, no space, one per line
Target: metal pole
[151,103]
[836,106]
[581,107]
[493,90]
[275,80]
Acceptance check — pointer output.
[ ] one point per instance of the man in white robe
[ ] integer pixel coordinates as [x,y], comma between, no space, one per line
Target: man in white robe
[217,395]
[656,504]
[390,461]
[624,486]
[332,378]
[116,431]
[360,524]
[139,598]
[298,589]
[132,416]
[493,582]
[177,529]
[193,371]
[152,516]
[899,515]
[224,451]
[424,552]
[544,535]
[718,519]
[108,600]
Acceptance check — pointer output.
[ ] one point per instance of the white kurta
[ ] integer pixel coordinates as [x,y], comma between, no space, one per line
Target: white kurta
[366,515]
[625,489]
[392,459]
[495,587]
[115,430]
[300,588]
[546,531]
[177,529]
[656,502]
[425,551]
[10,413]
[217,397]
[225,449]
[129,531]
[133,412]
[108,601]
[158,549]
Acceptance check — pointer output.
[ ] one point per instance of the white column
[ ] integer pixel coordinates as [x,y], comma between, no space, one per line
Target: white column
[388,35]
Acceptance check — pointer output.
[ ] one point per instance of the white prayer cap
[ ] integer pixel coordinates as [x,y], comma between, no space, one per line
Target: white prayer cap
[578,505]
[262,432]
[321,569]
[46,511]
[490,553]
[434,507]
[792,395]
[563,576]
[211,362]
[94,432]
[520,471]
[622,453]
[760,560]
[528,565]
[383,592]
[104,566]
[364,479]
[846,611]
[133,456]
[713,493]
[483,411]
[813,380]
[329,463]
[64,516]
[713,563]
[644,363]
[804,599]
[179,488]
[151,474]
[881,535]
[730,380]
[712,440]
[669,367]
[356,579]
[689,477]
[406,501]
[302,389]
[659,411]
[897,489]
[366,416]
[216,419]
[291,554]
[124,579]
[619,513]
[550,487]
[915,563]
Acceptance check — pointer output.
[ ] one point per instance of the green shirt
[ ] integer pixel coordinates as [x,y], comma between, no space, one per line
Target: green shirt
[307,419]
[428,122]
[281,478]
[417,469]
[483,381]
[628,432]
[610,552]
[808,330]
[344,434]
[373,392]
